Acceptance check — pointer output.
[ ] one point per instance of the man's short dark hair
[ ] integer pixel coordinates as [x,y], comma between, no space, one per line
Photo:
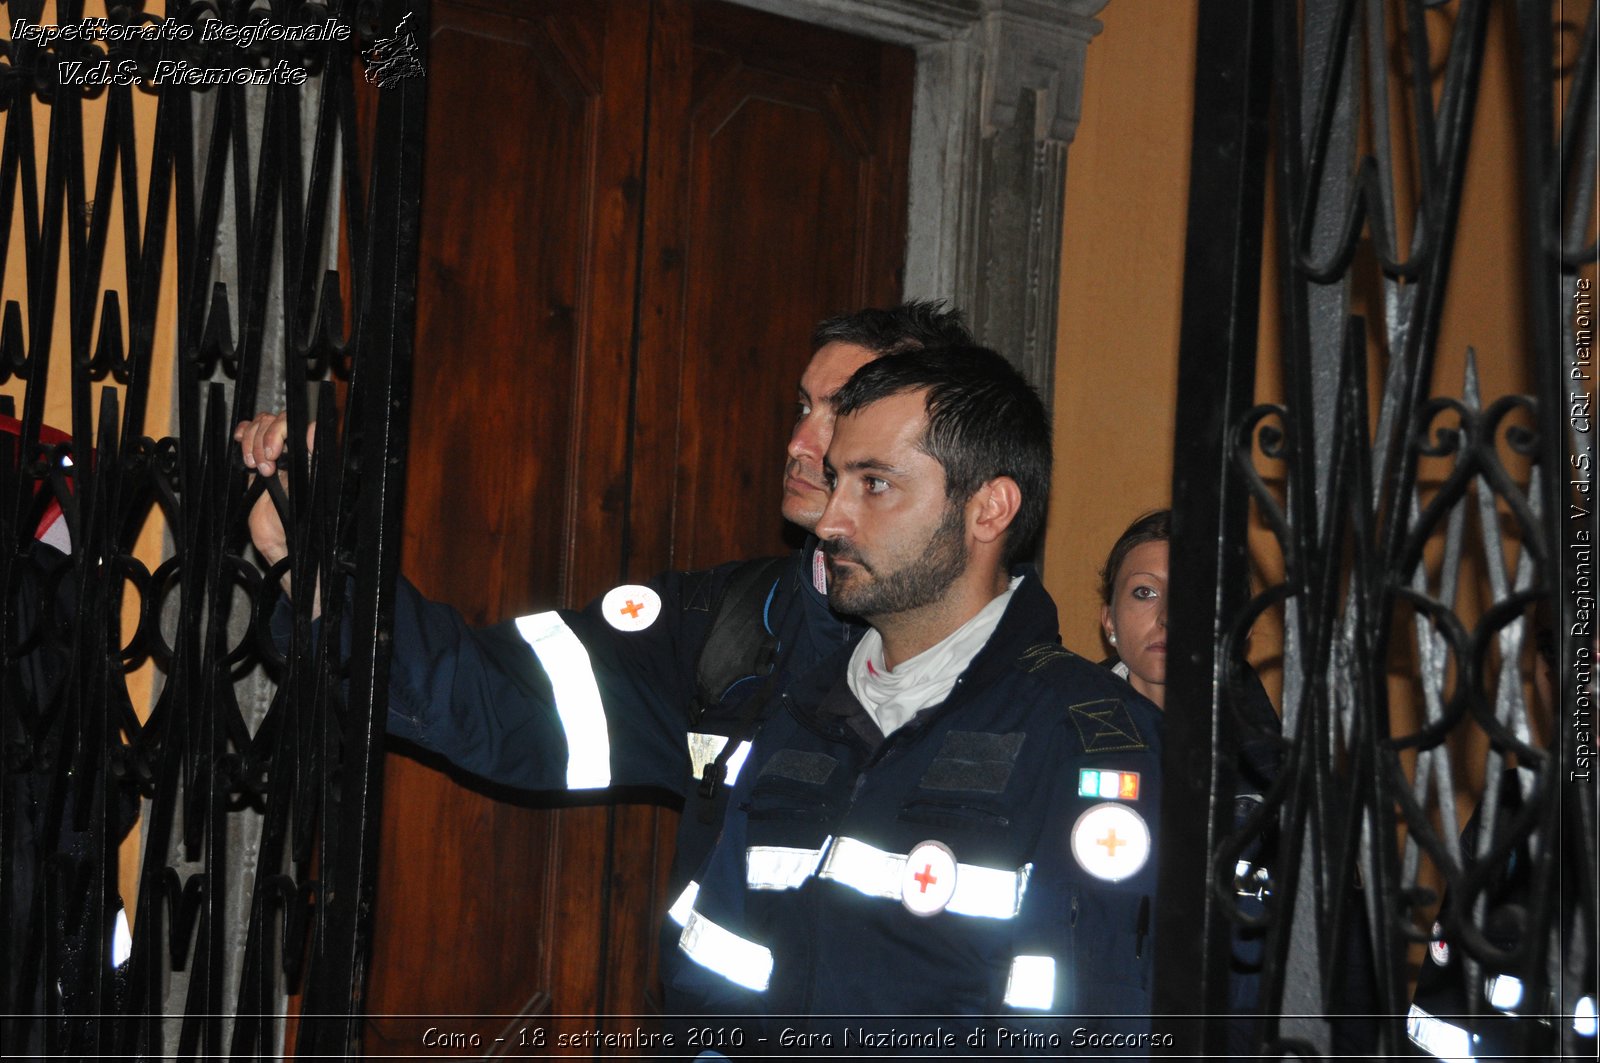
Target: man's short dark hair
[984,420]
[919,323]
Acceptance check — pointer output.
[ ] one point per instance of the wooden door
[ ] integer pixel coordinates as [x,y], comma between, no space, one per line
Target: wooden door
[778,161]
[634,213]
[778,155]
[525,296]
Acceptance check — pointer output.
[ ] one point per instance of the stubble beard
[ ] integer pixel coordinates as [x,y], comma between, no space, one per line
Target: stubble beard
[920,582]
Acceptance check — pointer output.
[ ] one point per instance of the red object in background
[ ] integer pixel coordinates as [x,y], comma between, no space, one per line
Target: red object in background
[52,528]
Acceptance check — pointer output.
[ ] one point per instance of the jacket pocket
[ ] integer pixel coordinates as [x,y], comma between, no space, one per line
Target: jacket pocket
[779,800]
[956,814]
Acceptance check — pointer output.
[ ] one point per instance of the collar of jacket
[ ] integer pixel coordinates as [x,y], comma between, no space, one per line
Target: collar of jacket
[1029,621]
[817,601]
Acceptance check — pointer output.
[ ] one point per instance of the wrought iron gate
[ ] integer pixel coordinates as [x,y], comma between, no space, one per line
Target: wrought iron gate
[1398,687]
[183,184]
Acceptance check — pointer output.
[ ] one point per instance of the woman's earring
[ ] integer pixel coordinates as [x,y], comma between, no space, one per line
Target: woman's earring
[1113,637]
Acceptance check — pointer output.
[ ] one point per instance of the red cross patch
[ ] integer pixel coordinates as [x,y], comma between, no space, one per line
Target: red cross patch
[929,880]
[1438,948]
[630,607]
[1111,841]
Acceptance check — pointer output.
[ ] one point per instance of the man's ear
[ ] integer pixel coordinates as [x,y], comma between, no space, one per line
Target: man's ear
[992,508]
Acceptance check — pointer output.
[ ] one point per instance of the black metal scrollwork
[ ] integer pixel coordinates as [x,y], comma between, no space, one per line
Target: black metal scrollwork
[1422,537]
[188,179]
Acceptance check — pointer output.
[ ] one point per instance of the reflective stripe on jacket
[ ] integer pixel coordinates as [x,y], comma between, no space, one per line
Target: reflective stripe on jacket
[994,856]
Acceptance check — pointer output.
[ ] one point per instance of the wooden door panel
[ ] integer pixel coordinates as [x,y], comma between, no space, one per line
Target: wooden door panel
[497,333]
[783,167]
[605,370]
[519,431]
[776,196]
[779,170]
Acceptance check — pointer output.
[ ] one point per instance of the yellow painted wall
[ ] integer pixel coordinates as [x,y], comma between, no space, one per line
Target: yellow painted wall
[1120,298]
[1121,276]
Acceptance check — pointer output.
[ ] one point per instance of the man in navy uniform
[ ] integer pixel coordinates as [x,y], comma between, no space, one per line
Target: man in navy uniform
[949,826]
[647,685]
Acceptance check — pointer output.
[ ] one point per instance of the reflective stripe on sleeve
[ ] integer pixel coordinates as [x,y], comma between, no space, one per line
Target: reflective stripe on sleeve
[703,750]
[734,958]
[679,912]
[981,891]
[121,939]
[1438,1038]
[1032,983]
[583,718]
[773,867]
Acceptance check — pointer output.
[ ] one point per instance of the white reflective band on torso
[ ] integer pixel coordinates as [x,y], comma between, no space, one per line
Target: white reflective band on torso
[980,891]
[864,868]
[703,750]
[1583,1018]
[773,867]
[1504,991]
[1032,983]
[1443,1039]
[739,961]
[679,912]
[583,718]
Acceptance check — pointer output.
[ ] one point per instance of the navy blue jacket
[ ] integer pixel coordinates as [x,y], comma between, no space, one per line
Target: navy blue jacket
[565,700]
[934,875]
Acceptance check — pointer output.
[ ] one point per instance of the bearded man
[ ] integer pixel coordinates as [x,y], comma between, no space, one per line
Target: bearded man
[944,837]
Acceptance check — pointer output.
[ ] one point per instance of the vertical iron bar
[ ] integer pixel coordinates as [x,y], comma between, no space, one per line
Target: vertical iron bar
[1216,381]
[377,436]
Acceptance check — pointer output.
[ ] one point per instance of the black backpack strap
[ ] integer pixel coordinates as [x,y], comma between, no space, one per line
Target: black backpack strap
[742,641]
[750,714]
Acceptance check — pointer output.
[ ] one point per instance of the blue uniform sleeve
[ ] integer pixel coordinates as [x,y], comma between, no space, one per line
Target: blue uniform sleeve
[559,700]
[1083,975]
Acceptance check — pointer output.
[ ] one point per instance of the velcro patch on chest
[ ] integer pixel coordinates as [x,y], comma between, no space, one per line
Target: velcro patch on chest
[974,760]
[1106,726]
[800,765]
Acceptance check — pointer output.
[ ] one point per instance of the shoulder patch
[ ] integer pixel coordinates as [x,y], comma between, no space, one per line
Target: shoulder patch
[697,597]
[1106,726]
[630,607]
[1041,654]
